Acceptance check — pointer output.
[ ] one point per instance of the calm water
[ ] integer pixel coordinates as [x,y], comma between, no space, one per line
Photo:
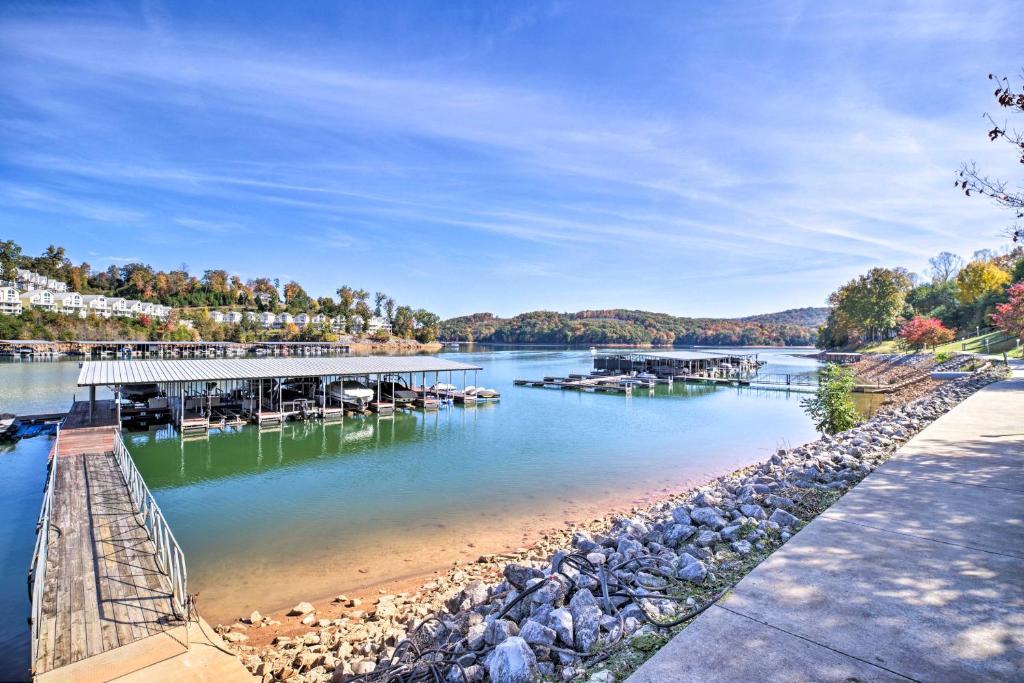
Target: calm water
[269,518]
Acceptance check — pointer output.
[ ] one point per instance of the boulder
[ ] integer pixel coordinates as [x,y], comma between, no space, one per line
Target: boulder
[741,547]
[300,609]
[708,516]
[499,630]
[783,518]
[560,621]
[586,620]
[518,575]
[752,510]
[691,569]
[513,662]
[537,634]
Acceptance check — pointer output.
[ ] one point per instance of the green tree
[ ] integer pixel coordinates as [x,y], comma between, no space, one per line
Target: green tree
[346,299]
[832,407]
[10,260]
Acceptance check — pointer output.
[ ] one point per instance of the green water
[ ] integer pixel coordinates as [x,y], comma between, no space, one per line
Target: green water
[267,518]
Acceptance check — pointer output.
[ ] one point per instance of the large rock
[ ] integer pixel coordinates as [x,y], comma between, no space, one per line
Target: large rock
[677,534]
[691,569]
[552,593]
[518,575]
[513,662]
[708,516]
[586,620]
[681,515]
[560,620]
[752,510]
[537,634]
[300,609]
[500,630]
[783,518]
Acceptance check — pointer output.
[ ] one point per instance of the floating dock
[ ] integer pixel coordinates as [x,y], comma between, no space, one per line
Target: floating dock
[108,581]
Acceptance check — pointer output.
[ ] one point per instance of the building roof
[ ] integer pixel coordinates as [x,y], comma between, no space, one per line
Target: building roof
[680,355]
[98,373]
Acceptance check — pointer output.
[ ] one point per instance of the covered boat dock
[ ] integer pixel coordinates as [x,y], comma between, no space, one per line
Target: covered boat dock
[681,365]
[197,394]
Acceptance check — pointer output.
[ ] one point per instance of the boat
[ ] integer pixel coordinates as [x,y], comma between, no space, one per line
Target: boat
[351,393]
[396,392]
[485,393]
[139,393]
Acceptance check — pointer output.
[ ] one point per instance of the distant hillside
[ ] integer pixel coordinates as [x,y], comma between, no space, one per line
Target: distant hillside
[795,327]
[809,317]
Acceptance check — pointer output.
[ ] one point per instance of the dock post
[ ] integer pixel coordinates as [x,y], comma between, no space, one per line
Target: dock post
[92,402]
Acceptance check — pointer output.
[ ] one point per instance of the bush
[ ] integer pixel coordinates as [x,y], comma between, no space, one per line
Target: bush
[832,407]
[943,356]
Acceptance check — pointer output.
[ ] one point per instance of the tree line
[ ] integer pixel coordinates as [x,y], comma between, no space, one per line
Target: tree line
[633,327]
[956,295]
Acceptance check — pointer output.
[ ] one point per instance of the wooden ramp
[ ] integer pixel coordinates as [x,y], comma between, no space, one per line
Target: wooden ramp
[106,608]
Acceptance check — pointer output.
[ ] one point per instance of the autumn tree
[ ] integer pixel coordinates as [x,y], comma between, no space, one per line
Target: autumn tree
[979,279]
[346,302]
[920,332]
[972,180]
[378,303]
[1009,317]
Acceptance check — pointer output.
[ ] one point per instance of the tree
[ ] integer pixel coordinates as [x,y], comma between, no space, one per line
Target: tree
[978,279]
[404,322]
[389,310]
[378,303]
[1009,317]
[832,407]
[10,259]
[920,332]
[971,179]
[346,298]
[427,325]
[945,266]
[867,306]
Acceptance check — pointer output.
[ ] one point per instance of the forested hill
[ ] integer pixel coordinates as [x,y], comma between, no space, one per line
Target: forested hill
[795,327]
[808,317]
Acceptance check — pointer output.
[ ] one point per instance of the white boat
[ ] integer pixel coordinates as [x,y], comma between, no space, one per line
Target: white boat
[442,388]
[350,392]
[593,350]
[483,392]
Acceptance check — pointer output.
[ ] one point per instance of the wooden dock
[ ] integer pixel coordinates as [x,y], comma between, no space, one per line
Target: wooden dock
[100,583]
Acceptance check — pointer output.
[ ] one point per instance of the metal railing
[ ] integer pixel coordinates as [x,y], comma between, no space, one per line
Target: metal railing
[170,557]
[37,570]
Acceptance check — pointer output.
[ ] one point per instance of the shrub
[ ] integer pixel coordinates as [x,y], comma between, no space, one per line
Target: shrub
[832,407]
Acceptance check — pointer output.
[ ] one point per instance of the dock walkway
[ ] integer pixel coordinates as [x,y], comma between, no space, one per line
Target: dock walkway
[915,574]
[106,607]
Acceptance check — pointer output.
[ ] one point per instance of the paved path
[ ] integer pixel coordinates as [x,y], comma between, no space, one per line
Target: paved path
[915,574]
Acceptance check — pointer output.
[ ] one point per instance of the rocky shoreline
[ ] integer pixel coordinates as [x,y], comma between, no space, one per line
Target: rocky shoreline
[591,602]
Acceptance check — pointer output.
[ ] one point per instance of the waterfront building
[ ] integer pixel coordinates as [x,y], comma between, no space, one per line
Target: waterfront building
[118,306]
[146,308]
[285,318]
[321,319]
[69,303]
[302,319]
[233,317]
[10,302]
[377,324]
[252,316]
[217,317]
[161,311]
[96,304]
[267,319]
[27,280]
[133,307]
[37,298]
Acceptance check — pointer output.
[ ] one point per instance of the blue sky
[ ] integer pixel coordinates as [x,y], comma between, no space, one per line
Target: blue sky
[692,158]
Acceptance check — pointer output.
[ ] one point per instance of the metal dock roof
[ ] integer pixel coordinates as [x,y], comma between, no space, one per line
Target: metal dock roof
[678,355]
[112,372]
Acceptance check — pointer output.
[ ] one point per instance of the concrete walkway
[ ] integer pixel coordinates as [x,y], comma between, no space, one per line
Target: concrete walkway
[915,574]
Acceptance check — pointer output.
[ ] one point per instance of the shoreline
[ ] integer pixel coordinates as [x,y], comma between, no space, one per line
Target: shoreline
[355,634]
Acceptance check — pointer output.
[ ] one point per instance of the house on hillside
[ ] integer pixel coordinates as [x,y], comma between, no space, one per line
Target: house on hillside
[285,318]
[37,298]
[233,317]
[10,301]
[267,319]
[96,304]
[302,319]
[69,303]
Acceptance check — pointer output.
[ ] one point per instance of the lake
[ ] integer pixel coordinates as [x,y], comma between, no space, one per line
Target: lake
[269,518]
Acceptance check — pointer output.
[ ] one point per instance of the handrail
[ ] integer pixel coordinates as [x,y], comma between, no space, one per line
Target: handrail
[170,557]
[37,569]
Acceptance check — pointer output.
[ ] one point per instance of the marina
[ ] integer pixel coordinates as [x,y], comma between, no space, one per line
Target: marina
[250,505]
